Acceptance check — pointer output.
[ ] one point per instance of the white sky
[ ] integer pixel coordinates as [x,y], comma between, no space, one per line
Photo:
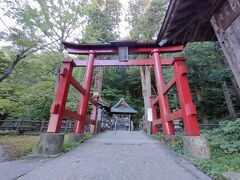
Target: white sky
[123,26]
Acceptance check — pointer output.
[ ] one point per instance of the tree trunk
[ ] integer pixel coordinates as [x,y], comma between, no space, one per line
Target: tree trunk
[98,80]
[202,108]
[235,87]
[146,92]
[233,80]
[228,100]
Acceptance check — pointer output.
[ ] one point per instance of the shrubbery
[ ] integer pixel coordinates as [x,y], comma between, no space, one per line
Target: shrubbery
[225,148]
[226,137]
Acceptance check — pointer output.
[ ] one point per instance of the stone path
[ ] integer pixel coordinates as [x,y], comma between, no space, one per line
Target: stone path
[118,155]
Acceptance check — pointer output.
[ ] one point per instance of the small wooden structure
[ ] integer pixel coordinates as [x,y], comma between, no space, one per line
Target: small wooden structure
[122,113]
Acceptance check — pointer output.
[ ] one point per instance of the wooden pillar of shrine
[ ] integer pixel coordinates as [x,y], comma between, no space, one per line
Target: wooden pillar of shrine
[226,24]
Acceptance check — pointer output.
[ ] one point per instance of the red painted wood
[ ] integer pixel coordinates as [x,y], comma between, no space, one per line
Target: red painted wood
[71,114]
[168,128]
[176,115]
[77,85]
[134,62]
[114,51]
[155,100]
[58,107]
[79,124]
[169,85]
[187,107]
[157,122]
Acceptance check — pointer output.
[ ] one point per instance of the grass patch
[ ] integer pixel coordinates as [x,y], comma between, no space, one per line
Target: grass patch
[19,146]
[177,143]
[68,144]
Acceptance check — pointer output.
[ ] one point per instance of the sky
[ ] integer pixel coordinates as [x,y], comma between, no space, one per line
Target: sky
[123,26]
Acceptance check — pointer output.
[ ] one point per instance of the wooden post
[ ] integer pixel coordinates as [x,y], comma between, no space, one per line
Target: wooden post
[58,106]
[17,130]
[188,109]
[226,24]
[79,124]
[66,126]
[93,127]
[129,119]
[162,98]
[229,102]
[42,126]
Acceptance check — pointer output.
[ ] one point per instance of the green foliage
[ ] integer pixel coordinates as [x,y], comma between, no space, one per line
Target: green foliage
[206,73]
[4,62]
[177,144]
[147,23]
[159,136]
[226,137]
[28,92]
[220,162]
[126,83]
[45,21]
[103,20]
[224,144]
[68,144]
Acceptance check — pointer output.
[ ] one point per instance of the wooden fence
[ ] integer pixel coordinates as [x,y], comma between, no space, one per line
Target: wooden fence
[24,126]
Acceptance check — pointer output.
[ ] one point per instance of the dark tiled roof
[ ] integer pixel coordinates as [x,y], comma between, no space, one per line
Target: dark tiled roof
[103,103]
[123,107]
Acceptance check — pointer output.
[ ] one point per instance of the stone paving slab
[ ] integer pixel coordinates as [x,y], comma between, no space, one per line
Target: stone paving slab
[120,155]
[15,169]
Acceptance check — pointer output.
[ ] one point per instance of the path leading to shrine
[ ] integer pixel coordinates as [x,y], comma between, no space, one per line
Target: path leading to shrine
[114,155]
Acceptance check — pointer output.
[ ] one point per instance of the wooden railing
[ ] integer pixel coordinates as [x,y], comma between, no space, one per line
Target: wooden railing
[24,126]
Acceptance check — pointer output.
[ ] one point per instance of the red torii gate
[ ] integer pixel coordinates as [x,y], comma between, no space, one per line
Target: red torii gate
[187,111]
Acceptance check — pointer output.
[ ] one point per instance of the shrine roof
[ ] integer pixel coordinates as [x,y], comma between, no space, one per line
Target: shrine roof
[188,21]
[102,103]
[123,108]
